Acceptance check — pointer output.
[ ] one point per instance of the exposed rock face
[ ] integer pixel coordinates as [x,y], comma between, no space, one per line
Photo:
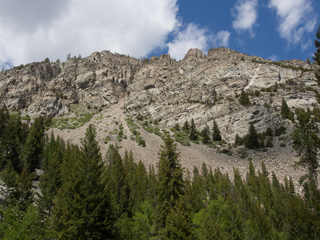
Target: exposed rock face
[162,88]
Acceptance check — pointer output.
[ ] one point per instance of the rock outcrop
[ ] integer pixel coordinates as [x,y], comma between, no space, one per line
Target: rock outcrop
[200,87]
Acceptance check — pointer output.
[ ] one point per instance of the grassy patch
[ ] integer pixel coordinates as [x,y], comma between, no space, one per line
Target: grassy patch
[136,134]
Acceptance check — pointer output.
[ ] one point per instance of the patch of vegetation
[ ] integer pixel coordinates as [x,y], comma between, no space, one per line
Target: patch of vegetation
[242,152]
[136,134]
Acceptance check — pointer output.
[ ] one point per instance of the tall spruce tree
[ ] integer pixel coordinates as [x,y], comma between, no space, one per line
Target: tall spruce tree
[285,110]
[205,134]
[170,186]
[193,131]
[317,54]
[82,209]
[307,144]
[33,148]
[252,139]
[216,136]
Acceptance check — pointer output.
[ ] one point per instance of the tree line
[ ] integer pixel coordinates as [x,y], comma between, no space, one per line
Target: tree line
[83,196]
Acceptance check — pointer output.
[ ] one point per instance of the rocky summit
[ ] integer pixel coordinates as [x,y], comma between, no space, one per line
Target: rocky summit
[135,102]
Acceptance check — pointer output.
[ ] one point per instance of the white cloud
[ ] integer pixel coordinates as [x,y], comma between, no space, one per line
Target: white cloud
[245,13]
[306,45]
[295,19]
[195,37]
[35,29]
[274,57]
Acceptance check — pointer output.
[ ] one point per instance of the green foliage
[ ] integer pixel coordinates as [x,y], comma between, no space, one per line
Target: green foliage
[279,131]
[316,56]
[269,132]
[238,140]
[32,151]
[193,131]
[244,98]
[170,187]
[306,143]
[285,111]
[205,134]
[83,191]
[216,136]
[185,126]
[21,225]
[251,141]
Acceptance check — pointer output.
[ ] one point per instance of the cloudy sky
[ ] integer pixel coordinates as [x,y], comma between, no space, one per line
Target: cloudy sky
[32,30]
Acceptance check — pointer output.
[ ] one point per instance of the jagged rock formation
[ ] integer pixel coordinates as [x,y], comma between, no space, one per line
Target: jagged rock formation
[178,91]
[200,87]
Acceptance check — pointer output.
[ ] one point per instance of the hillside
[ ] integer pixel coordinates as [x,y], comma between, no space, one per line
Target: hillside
[146,98]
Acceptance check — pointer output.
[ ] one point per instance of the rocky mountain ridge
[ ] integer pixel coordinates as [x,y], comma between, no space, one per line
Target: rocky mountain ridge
[199,87]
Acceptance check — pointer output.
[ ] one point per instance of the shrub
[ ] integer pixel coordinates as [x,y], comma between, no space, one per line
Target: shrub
[279,131]
[269,143]
[226,151]
[244,98]
[177,127]
[269,132]
[257,93]
[282,145]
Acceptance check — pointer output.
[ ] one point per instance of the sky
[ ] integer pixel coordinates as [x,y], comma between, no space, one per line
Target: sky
[33,30]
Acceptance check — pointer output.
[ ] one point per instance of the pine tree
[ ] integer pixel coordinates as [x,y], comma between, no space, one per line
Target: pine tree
[216,136]
[11,145]
[205,135]
[193,131]
[285,110]
[10,179]
[185,126]
[307,144]
[178,223]
[4,118]
[252,141]
[244,98]
[82,209]
[317,54]
[32,151]
[49,184]
[170,186]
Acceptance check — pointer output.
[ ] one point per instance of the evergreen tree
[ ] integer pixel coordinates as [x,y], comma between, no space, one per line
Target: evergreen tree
[32,151]
[317,54]
[178,223]
[307,143]
[205,135]
[11,145]
[49,184]
[285,110]
[216,136]
[185,126]
[143,221]
[82,209]
[252,141]
[4,118]
[193,131]
[10,180]
[170,187]
[244,98]
[238,140]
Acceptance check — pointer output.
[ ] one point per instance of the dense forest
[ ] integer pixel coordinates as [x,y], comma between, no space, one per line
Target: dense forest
[82,196]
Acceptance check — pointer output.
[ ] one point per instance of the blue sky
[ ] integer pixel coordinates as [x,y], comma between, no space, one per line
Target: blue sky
[274,29]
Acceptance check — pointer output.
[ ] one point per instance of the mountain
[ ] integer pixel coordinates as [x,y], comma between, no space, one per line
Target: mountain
[134,102]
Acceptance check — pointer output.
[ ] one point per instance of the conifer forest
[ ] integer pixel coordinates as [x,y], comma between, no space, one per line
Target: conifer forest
[82,196]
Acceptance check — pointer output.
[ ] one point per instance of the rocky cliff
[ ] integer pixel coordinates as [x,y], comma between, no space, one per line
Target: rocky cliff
[200,87]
